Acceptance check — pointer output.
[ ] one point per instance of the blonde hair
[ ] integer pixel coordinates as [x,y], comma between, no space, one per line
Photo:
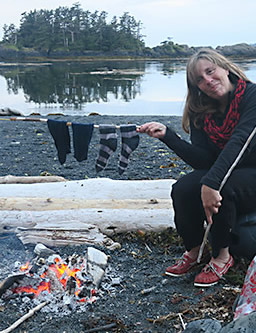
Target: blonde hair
[197,103]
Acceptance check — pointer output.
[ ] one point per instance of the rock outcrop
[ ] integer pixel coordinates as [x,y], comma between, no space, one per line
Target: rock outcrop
[238,50]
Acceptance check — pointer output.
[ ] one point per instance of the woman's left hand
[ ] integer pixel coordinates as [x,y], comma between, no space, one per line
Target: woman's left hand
[211,200]
[154,129]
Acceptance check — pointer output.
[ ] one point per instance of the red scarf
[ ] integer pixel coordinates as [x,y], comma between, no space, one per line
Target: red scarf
[221,134]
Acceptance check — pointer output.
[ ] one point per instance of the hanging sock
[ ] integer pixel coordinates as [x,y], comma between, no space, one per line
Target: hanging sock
[130,141]
[82,134]
[108,145]
[60,133]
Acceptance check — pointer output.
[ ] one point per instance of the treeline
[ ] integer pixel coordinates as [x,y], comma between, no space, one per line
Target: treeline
[74,29]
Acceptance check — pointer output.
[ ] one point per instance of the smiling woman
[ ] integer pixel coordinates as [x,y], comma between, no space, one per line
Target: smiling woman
[220,116]
[213,81]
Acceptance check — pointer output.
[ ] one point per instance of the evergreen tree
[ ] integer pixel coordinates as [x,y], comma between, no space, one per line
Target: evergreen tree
[73,29]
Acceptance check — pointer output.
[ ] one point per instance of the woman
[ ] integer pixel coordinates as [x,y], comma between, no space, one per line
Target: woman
[220,114]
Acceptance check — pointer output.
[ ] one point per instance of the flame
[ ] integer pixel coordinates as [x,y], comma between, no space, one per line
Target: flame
[25,267]
[63,272]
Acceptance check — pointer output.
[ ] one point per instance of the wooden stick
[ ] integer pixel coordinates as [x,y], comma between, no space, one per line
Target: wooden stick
[169,316]
[45,121]
[207,230]
[23,318]
[28,119]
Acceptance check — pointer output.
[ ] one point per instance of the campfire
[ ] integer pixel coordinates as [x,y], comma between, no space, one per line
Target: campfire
[61,282]
[66,278]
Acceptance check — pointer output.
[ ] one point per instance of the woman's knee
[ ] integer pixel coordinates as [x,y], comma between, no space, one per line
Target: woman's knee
[187,186]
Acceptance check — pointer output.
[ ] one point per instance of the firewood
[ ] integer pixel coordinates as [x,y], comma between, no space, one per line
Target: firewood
[9,281]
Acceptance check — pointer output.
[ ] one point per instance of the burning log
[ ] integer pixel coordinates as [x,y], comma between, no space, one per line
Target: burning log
[9,281]
[56,285]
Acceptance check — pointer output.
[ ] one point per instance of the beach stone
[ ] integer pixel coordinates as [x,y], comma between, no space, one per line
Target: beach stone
[114,246]
[97,262]
[97,257]
[96,273]
[42,251]
[243,324]
[203,326]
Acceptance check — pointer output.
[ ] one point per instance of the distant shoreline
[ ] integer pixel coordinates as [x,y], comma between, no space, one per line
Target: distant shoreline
[181,53]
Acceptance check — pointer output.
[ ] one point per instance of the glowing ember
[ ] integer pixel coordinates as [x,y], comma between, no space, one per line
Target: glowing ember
[63,273]
[28,289]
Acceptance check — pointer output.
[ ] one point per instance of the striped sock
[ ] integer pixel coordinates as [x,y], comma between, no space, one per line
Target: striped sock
[130,141]
[108,144]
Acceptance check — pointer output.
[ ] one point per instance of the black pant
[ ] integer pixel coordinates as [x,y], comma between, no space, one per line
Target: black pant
[238,197]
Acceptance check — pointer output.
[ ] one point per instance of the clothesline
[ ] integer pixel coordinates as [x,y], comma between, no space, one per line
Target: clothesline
[82,134]
[44,120]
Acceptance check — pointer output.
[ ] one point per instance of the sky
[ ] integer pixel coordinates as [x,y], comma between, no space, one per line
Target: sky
[192,22]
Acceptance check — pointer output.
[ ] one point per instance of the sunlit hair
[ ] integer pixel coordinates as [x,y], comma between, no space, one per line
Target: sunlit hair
[197,103]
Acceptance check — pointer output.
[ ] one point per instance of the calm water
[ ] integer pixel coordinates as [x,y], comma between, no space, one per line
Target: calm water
[109,88]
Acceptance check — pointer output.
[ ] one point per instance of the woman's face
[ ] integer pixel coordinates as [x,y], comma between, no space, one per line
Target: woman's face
[213,80]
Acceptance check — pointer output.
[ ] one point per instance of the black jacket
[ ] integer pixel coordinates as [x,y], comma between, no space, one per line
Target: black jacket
[202,153]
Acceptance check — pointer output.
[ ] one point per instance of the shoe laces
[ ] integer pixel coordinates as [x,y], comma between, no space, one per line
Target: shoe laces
[183,260]
[210,267]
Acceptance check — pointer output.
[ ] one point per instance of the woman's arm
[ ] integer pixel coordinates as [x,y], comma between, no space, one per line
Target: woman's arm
[197,154]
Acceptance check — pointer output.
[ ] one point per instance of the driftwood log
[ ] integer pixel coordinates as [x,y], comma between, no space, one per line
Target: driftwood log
[87,211]
[10,112]
[30,179]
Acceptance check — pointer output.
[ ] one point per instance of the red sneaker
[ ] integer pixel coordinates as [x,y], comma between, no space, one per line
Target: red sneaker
[212,273]
[182,266]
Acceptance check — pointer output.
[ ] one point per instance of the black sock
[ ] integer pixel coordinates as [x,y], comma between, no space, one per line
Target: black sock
[130,141]
[60,133]
[82,134]
[108,144]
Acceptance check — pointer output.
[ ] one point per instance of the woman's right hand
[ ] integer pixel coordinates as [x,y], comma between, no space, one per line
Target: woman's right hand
[154,129]
[211,200]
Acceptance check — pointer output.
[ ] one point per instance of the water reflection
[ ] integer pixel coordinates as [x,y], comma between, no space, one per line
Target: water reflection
[105,87]
[72,84]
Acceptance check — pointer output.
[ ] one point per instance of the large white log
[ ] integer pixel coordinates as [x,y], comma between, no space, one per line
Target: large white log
[63,212]
[89,189]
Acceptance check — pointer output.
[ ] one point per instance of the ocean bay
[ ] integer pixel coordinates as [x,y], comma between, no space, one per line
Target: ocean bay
[135,87]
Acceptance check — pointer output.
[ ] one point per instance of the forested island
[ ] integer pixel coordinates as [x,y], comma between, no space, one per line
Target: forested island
[69,32]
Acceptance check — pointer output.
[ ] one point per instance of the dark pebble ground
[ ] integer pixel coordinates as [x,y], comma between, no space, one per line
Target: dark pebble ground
[27,149]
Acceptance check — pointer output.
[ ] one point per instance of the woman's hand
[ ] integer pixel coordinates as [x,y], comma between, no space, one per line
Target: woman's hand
[211,200]
[154,129]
